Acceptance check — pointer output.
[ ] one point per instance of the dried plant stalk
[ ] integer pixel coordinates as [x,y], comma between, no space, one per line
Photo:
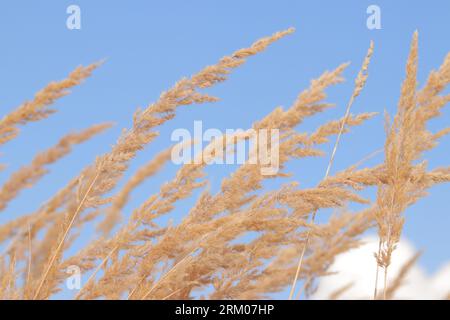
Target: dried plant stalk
[103,176]
[209,248]
[36,109]
[407,139]
[27,176]
[359,85]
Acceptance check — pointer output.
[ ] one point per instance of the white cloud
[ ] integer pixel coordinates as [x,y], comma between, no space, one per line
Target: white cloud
[358,267]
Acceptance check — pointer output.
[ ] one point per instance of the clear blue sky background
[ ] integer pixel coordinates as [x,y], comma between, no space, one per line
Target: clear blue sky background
[149,45]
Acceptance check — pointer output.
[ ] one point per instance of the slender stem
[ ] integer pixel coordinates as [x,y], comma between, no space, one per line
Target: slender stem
[303,288]
[66,233]
[96,271]
[385,282]
[338,138]
[29,255]
[136,287]
[375,292]
[11,280]
[189,255]
[165,276]
[327,172]
[359,84]
[171,294]
[179,289]
[300,261]
[162,278]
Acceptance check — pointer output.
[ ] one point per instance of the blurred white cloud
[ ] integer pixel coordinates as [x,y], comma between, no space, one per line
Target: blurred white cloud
[358,267]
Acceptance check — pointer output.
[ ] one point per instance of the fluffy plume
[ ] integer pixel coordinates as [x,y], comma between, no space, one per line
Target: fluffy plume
[37,109]
[243,241]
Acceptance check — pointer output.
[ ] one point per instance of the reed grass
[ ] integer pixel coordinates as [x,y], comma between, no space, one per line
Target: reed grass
[133,255]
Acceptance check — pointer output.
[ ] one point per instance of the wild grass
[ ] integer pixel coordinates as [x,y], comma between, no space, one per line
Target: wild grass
[134,256]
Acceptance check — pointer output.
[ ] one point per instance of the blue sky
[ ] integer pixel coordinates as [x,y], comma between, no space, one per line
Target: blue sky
[149,45]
